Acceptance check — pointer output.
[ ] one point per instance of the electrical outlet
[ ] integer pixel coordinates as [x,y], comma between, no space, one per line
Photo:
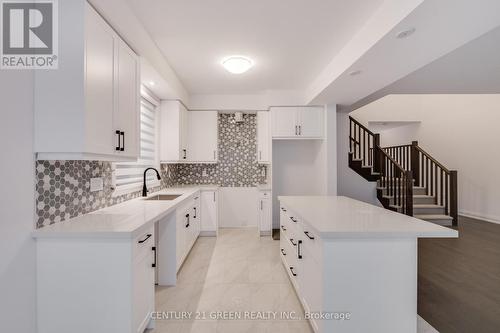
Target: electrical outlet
[96,184]
[204,173]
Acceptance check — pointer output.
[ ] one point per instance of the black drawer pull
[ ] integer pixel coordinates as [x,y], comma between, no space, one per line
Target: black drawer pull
[283,228]
[187,219]
[283,209]
[307,234]
[293,219]
[123,141]
[291,270]
[283,252]
[119,141]
[299,251]
[145,239]
[154,250]
[293,243]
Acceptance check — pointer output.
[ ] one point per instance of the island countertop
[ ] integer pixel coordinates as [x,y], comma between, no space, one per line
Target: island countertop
[343,217]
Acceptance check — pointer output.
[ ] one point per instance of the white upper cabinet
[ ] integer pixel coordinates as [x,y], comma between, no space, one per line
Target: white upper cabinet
[173,131]
[202,133]
[187,136]
[297,122]
[88,109]
[263,138]
[128,100]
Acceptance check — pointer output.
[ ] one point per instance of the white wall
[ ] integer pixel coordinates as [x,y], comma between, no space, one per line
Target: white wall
[299,168]
[461,131]
[17,248]
[239,207]
[349,183]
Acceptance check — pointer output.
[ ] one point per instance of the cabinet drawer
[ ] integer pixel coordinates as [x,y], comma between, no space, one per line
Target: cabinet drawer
[311,243]
[143,244]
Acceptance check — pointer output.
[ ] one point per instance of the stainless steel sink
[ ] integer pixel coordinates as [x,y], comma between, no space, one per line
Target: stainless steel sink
[163,197]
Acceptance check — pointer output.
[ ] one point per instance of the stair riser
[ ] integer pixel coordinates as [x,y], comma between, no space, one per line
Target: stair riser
[416,191]
[445,223]
[429,211]
[424,201]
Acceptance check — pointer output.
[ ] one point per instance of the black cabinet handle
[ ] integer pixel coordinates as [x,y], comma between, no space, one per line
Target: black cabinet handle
[307,234]
[187,218]
[194,212]
[293,243]
[283,252]
[117,148]
[291,270]
[300,129]
[299,251]
[283,209]
[294,220]
[123,141]
[154,250]
[145,239]
[185,153]
[283,228]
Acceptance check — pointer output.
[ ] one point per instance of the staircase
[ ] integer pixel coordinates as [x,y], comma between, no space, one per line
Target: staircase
[409,180]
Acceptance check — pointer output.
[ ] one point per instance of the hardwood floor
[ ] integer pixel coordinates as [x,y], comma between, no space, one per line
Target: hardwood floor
[459,279]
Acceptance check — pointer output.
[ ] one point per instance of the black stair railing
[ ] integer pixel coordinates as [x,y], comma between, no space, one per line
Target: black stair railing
[438,181]
[362,142]
[396,183]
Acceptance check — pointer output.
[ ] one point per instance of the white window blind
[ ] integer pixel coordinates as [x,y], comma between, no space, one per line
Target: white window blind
[129,175]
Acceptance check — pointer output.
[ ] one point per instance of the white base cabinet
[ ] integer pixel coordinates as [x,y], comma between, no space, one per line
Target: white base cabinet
[97,285]
[265,213]
[187,228]
[362,284]
[209,212]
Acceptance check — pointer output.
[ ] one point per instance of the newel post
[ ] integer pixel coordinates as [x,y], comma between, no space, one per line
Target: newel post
[409,193]
[415,162]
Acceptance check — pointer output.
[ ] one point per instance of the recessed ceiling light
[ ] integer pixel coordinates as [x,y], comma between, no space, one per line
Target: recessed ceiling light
[237,64]
[405,33]
[354,73]
[152,83]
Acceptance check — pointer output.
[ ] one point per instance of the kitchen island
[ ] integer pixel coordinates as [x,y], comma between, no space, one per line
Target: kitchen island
[352,264]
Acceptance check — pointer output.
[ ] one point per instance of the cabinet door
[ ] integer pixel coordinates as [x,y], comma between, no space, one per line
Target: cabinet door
[209,210]
[202,135]
[100,137]
[265,214]
[311,122]
[183,127]
[284,122]
[143,283]
[170,131]
[127,112]
[263,138]
[180,241]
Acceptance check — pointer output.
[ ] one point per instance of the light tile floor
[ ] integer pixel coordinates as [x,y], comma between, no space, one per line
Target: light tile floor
[238,271]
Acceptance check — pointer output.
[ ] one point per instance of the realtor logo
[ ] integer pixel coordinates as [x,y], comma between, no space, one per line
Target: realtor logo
[29,34]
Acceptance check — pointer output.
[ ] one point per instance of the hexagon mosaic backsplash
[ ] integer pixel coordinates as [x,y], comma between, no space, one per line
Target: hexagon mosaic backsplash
[63,187]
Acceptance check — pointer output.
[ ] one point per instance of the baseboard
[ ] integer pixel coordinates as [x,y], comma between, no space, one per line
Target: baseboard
[472,215]
[208,233]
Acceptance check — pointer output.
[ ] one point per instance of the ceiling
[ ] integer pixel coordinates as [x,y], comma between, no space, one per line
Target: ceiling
[471,69]
[290,41]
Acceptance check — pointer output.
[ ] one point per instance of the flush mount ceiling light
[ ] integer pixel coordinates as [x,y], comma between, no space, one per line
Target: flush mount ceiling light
[237,64]
[405,33]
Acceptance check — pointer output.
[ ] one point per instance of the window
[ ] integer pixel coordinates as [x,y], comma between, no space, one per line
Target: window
[128,176]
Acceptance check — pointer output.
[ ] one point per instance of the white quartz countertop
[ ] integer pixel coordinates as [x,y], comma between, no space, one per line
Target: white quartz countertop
[342,217]
[124,220]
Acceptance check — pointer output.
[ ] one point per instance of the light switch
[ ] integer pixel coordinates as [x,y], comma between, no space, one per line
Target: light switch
[96,184]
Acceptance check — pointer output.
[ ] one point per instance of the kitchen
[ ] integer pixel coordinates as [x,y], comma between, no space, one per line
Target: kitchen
[158,208]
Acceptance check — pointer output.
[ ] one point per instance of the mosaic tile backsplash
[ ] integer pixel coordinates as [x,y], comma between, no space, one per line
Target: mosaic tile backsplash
[63,187]
[237,165]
